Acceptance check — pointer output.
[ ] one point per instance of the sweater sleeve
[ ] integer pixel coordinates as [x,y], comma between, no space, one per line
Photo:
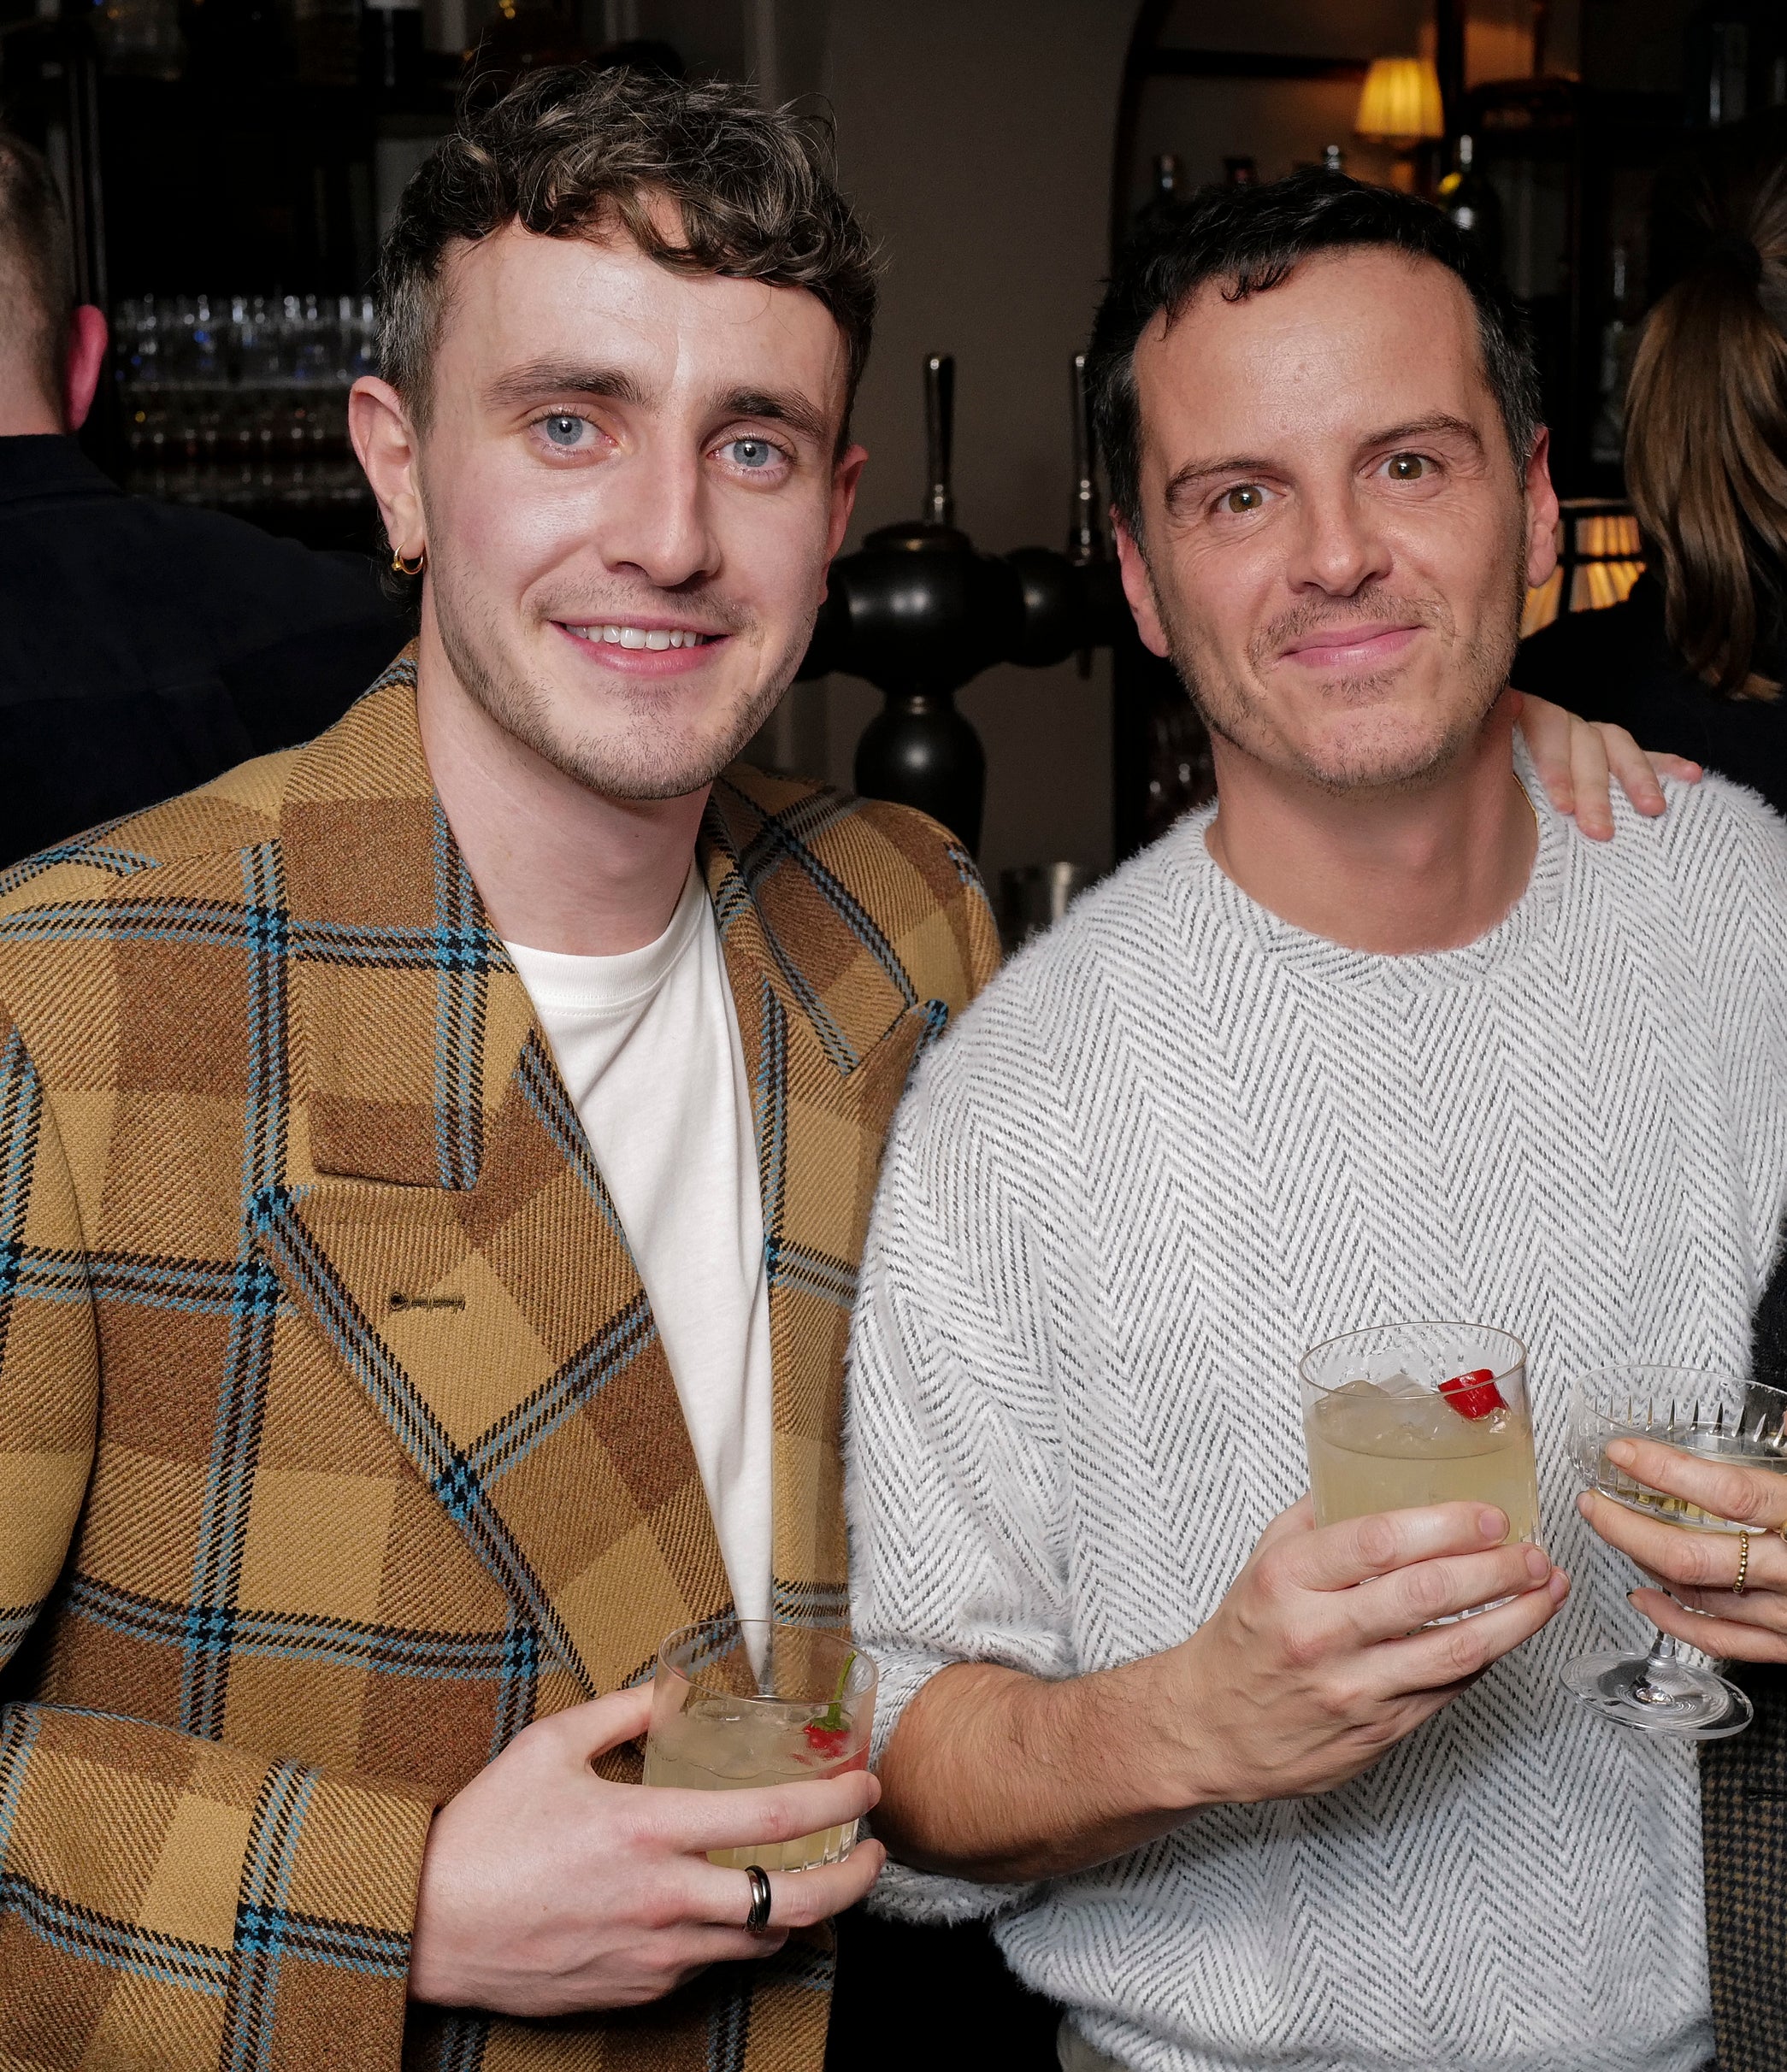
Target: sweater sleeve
[957,1499]
[165,1901]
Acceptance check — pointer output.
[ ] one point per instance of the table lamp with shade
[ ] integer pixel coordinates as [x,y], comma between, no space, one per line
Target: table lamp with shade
[1400,105]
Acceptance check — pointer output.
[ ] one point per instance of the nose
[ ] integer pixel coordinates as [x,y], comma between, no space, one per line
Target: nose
[1338,548]
[653,518]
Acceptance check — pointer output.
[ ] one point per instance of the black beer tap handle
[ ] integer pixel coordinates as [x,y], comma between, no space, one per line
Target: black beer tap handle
[1085,534]
[940,417]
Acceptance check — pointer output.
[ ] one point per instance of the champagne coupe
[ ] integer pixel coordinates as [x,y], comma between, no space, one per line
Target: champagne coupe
[1720,1417]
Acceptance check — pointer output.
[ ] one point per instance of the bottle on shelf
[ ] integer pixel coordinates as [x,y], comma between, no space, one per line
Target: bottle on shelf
[1469,198]
[1618,337]
[1334,160]
[1166,196]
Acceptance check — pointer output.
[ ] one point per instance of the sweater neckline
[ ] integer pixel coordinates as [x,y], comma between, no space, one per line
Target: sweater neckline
[1195,875]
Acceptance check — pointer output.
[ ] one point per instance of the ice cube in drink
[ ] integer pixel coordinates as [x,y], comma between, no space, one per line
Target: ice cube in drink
[1376,1447]
[728,1745]
[741,1704]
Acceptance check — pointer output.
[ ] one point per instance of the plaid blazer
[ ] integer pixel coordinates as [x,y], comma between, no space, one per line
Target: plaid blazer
[1744,1819]
[336,1439]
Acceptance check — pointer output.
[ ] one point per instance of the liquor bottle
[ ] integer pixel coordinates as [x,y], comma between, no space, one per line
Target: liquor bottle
[1166,197]
[1618,336]
[390,48]
[1334,160]
[1473,204]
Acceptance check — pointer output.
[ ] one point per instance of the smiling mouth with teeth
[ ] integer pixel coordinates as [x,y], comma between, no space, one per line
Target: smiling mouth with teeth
[619,635]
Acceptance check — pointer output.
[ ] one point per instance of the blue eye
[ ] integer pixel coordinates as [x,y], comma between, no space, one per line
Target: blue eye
[753,454]
[563,430]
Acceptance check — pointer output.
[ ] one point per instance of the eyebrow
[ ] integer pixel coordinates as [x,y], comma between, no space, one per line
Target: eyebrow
[1194,471]
[781,406]
[541,379]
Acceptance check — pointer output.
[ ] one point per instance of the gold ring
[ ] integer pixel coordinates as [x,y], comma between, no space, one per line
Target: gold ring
[1742,1562]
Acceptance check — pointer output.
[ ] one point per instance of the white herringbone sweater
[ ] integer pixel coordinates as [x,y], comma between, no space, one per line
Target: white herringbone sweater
[1180,1141]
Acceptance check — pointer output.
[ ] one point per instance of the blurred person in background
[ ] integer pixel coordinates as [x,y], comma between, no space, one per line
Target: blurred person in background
[147,647]
[1694,659]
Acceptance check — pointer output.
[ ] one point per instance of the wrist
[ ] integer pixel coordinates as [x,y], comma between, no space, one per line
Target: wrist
[1180,1767]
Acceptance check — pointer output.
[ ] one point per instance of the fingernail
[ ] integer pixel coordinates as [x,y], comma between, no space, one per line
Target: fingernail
[1538,1563]
[1622,1452]
[1492,1524]
[1583,1502]
[1560,1585]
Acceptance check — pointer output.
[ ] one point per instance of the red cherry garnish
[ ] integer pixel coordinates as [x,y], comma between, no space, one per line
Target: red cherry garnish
[830,1741]
[1473,1395]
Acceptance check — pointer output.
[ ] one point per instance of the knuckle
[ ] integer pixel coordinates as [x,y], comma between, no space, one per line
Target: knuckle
[1465,1651]
[800,1904]
[1302,1646]
[1736,1496]
[1379,1541]
[1346,1701]
[1271,1579]
[1425,1592]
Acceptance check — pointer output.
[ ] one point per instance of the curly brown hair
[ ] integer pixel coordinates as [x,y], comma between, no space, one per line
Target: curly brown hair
[569,148]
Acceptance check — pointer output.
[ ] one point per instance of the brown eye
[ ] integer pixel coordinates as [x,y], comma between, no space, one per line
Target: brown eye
[1406,466]
[1243,497]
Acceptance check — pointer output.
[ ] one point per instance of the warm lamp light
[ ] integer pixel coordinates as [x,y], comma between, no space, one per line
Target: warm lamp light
[1400,103]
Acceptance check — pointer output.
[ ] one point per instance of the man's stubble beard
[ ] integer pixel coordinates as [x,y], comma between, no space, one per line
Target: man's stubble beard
[1231,708]
[640,759]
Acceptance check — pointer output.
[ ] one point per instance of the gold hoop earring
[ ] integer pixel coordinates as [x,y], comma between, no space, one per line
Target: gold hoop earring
[400,567]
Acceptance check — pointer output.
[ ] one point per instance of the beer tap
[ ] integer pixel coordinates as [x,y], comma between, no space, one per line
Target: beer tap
[920,612]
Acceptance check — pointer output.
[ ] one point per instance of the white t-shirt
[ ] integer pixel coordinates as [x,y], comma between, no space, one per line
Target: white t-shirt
[647,1044]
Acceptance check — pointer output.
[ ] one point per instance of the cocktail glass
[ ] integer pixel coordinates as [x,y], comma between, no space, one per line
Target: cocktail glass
[1404,1414]
[1721,1417]
[741,1703]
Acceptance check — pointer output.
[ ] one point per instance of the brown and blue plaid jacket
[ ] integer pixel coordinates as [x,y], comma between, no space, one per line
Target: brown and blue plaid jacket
[336,1439]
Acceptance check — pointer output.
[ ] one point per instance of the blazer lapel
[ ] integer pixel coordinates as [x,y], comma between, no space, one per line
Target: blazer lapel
[831,1026]
[448,1229]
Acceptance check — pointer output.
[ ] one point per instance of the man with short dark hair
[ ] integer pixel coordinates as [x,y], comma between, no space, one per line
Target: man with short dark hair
[1375,1039]
[147,646]
[436,1160]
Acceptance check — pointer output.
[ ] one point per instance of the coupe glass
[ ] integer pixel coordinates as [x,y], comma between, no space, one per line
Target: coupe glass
[1711,1416]
[739,1703]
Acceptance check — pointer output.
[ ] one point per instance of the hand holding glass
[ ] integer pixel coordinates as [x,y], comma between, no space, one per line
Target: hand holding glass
[741,1703]
[1715,1417]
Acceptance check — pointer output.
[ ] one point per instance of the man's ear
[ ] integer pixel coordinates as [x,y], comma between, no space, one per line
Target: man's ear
[847,472]
[87,339]
[1138,588]
[1542,513]
[389,452]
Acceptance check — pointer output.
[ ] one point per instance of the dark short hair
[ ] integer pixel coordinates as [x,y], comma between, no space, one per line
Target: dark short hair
[569,148]
[36,261]
[1249,239]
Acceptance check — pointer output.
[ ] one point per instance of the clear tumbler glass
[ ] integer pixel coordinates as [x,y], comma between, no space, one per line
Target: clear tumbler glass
[741,1703]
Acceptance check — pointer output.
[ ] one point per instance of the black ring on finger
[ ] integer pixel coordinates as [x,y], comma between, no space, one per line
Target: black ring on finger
[757,1922]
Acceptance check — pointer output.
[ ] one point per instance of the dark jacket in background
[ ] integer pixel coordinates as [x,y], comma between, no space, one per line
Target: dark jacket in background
[146,647]
[1618,665]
